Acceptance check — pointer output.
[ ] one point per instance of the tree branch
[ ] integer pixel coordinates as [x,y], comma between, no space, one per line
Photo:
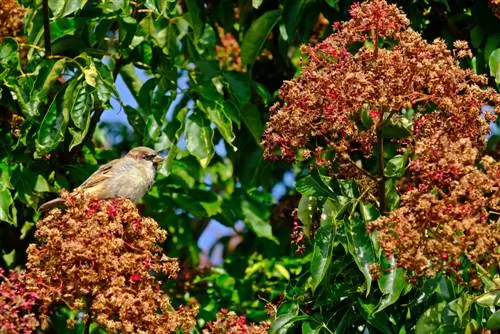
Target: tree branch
[46,28]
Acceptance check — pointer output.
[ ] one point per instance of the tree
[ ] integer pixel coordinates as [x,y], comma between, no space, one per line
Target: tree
[365,114]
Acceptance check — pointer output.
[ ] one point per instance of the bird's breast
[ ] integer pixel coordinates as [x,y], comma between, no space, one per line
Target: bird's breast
[133,180]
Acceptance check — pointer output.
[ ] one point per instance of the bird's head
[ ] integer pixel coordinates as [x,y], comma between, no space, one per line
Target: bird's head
[145,153]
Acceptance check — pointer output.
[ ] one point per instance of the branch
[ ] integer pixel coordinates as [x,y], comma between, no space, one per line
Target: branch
[380,165]
[88,305]
[46,28]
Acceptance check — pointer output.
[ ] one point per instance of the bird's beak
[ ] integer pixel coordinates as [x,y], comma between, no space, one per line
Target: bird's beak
[158,159]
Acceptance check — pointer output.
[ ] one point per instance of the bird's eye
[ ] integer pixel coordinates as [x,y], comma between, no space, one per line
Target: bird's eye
[150,157]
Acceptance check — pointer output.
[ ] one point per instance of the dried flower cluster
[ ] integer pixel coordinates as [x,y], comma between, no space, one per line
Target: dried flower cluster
[228,53]
[495,7]
[373,64]
[228,322]
[11,18]
[374,75]
[448,220]
[101,257]
[17,303]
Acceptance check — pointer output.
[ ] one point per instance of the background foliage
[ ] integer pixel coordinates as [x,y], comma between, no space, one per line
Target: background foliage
[203,75]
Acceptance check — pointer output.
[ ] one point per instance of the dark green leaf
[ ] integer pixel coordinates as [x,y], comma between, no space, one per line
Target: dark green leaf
[368,212]
[323,246]
[53,127]
[333,3]
[494,321]
[314,185]
[306,210]
[292,13]
[395,131]
[251,118]
[283,322]
[9,54]
[396,166]
[197,15]
[361,248]
[391,283]
[239,86]
[391,194]
[257,34]
[253,218]
[199,138]
[430,321]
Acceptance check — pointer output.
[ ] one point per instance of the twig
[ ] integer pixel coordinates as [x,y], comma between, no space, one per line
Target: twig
[46,28]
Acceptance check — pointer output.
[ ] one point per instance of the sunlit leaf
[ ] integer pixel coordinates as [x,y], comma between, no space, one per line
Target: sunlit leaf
[199,138]
[257,34]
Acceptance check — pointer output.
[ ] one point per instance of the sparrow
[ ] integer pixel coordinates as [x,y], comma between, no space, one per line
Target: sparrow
[130,176]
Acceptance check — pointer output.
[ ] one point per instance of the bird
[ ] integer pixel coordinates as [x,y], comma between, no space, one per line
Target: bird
[130,176]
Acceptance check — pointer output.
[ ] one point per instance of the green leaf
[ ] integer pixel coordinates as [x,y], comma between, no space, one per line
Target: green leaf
[476,36]
[199,138]
[323,246]
[333,3]
[257,34]
[395,131]
[5,207]
[256,3]
[391,194]
[314,185]
[283,322]
[197,15]
[217,115]
[61,8]
[494,321]
[292,14]
[239,86]
[251,118]
[53,127]
[396,166]
[361,248]
[391,283]
[253,218]
[494,63]
[430,320]
[306,209]
[9,54]
[489,299]
[368,212]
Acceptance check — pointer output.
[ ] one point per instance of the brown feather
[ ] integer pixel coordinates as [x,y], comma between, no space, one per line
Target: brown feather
[51,204]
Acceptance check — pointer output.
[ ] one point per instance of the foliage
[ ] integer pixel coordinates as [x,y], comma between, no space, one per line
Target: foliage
[201,76]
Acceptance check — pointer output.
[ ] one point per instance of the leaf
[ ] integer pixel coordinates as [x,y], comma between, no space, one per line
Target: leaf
[368,212]
[306,209]
[489,299]
[430,320]
[333,3]
[476,36]
[5,205]
[313,185]
[395,131]
[323,246]
[53,127]
[391,283]
[257,224]
[292,13]
[257,34]
[62,8]
[361,248]
[239,87]
[494,63]
[396,166]
[494,321]
[77,101]
[223,123]
[251,118]
[9,55]
[197,15]
[199,138]
[283,322]
[391,194]
[256,3]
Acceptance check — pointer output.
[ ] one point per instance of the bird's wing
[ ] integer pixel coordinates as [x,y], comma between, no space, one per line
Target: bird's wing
[103,173]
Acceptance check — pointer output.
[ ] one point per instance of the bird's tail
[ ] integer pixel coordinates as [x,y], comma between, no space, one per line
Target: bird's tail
[50,204]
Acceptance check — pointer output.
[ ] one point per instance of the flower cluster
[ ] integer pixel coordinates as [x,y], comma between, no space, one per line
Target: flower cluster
[448,219]
[373,76]
[101,257]
[228,322]
[17,303]
[11,18]
[228,53]
[365,75]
